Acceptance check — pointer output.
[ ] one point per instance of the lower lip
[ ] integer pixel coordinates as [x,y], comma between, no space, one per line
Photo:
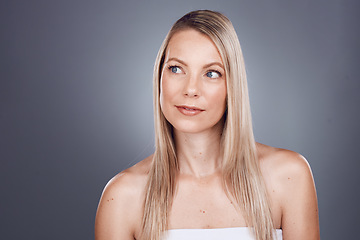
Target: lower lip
[189,112]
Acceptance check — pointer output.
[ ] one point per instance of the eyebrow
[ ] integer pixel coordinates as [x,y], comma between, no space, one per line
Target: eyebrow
[176,59]
[206,66]
[214,63]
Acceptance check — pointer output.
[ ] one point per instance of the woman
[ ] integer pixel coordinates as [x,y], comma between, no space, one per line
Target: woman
[207,179]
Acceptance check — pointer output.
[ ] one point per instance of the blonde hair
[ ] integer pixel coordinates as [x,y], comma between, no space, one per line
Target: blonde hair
[241,173]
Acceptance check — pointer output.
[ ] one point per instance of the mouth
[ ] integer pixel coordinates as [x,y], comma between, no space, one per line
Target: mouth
[189,110]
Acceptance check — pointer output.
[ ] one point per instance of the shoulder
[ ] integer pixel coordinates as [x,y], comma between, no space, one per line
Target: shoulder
[130,181]
[291,187]
[121,203]
[284,171]
[282,164]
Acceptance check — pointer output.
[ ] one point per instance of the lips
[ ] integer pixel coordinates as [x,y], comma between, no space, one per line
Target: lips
[189,110]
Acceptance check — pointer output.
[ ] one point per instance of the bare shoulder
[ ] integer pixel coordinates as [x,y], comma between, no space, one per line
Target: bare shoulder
[284,171]
[282,163]
[120,208]
[291,187]
[131,179]
[128,183]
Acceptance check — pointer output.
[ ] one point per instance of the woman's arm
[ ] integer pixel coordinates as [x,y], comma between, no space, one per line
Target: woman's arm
[118,209]
[300,217]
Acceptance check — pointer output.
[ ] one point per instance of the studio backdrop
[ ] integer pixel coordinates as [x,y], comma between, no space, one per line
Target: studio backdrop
[76,101]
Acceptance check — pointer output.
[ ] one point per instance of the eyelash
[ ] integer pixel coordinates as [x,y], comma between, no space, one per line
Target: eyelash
[176,66]
[220,75]
[172,66]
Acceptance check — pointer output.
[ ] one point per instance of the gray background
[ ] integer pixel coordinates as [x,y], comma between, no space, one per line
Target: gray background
[76,101]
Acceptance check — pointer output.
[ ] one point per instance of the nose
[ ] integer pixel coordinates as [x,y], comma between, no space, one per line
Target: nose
[191,87]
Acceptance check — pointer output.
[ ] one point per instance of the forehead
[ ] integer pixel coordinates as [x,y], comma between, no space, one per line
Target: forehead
[191,44]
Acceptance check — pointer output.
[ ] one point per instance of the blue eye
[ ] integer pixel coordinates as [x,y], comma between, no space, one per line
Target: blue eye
[213,74]
[175,69]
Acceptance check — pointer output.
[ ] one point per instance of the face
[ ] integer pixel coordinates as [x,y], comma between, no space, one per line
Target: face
[193,83]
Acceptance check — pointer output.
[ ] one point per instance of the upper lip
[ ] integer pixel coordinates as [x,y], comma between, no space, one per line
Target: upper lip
[190,107]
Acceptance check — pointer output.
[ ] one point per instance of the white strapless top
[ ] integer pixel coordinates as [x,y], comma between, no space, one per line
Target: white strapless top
[236,233]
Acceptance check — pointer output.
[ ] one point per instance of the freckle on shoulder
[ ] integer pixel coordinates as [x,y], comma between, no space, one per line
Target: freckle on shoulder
[293,161]
[281,160]
[131,180]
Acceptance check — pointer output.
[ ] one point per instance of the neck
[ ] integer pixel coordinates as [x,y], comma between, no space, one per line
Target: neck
[199,154]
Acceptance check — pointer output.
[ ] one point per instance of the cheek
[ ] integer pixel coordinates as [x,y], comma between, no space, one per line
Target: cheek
[218,97]
[223,94]
[165,93]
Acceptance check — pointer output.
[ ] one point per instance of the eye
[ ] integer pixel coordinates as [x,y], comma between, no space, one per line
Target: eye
[213,74]
[175,69]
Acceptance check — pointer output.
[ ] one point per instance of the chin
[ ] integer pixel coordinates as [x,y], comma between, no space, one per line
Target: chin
[193,127]
[192,130]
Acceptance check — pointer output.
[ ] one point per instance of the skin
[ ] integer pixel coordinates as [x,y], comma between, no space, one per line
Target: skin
[200,201]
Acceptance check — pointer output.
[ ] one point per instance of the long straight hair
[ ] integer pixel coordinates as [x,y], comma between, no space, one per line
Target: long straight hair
[241,172]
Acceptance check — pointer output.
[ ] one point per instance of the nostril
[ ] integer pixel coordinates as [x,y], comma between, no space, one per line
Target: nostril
[191,94]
